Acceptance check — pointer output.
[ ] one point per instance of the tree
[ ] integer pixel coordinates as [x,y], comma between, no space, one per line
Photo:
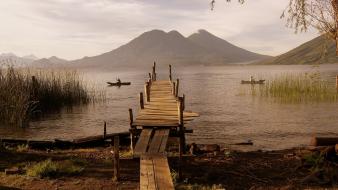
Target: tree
[302,14]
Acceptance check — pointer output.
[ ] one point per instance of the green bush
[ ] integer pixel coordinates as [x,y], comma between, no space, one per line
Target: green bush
[49,168]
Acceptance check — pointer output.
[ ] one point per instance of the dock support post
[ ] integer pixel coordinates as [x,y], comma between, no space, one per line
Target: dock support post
[170,76]
[132,135]
[174,88]
[104,130]
[147,91]
[116,158]
[141,100]
[177,87]
[181,123]
[154,72]
[183,102]
[181,134]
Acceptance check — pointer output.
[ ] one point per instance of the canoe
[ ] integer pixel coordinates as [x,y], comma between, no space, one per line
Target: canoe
[253,82]
[118,83]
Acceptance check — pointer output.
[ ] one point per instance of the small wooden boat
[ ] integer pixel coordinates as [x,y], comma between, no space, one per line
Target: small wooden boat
[253,82]
[118,83]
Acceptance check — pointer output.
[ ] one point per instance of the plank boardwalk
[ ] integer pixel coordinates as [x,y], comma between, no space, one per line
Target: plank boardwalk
[161,114]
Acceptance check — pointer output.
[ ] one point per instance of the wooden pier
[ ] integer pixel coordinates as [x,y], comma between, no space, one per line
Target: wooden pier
[161,115]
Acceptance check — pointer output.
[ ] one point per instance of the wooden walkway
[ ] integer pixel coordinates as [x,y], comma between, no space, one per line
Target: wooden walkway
[161,114]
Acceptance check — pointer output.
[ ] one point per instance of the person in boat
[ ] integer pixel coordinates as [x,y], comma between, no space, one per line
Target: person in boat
[118,80]
[252,79]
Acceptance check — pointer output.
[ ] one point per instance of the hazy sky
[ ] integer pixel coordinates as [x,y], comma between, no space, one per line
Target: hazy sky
[72,29]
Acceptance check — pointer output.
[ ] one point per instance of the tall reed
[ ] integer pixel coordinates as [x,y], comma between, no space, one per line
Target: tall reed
[298,88]
[24,93]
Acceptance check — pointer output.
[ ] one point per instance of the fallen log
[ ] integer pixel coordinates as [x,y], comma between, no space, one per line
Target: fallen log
[98,139]
[40,144]
[249,142]
[324,141]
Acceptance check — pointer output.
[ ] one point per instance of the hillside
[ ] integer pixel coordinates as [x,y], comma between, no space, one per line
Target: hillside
[317,51]
[49,62]
[229,52]
[170,48]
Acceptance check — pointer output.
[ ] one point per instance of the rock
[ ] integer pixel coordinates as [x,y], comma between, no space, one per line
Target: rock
[194,150]
[210,148]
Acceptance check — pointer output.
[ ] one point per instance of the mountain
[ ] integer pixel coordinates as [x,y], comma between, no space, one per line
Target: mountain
[30,57]
[229,52]
[316,51]
[169,48]
[10,59]
[49,62]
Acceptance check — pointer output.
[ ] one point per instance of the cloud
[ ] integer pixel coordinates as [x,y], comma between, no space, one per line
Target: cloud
[76,28]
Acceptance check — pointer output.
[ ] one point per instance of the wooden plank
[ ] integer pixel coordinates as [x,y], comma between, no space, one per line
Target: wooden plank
[147,177]
[155,173]
[159,141]
[163,146]
[142,143]
[163,178]
[152,124]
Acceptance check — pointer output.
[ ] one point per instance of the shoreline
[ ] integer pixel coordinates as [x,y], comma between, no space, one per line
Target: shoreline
[228,169]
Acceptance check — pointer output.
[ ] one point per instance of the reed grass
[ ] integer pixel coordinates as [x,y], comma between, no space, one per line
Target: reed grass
[25,93]
[299,88]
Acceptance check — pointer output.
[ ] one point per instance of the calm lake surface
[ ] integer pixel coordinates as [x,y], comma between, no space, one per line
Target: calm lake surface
[227,115]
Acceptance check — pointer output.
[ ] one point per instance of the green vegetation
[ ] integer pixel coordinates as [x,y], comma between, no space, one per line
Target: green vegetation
[25,94]
[22,148]
[317,51]
[297,88]
[49,168]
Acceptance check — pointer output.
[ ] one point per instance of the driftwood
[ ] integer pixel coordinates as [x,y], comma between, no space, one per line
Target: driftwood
[249,142]
[324,141]
[64,144]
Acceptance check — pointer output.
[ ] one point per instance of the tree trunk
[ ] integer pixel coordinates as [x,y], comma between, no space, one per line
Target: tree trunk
[335,8]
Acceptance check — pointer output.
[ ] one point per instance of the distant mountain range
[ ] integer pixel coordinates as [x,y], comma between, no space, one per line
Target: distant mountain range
[201,48]
[10,59]
[316,51]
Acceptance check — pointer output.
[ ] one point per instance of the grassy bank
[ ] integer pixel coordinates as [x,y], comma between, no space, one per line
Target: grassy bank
[298,88]
[26,93]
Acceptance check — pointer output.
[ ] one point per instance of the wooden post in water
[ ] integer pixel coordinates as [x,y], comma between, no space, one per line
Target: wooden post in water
[181,134]
[141,100]
[170,76]
[132,136]
[183,102]
[154,71]
[146,91]
[174,88]
[116,158]
[131,117]
[181,123]
[104,130]
[177,87]
[337,82]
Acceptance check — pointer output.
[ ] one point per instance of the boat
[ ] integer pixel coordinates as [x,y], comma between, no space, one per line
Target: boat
[252,82]
[118,83]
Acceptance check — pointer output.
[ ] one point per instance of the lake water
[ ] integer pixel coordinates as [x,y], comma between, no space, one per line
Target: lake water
[227,115]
